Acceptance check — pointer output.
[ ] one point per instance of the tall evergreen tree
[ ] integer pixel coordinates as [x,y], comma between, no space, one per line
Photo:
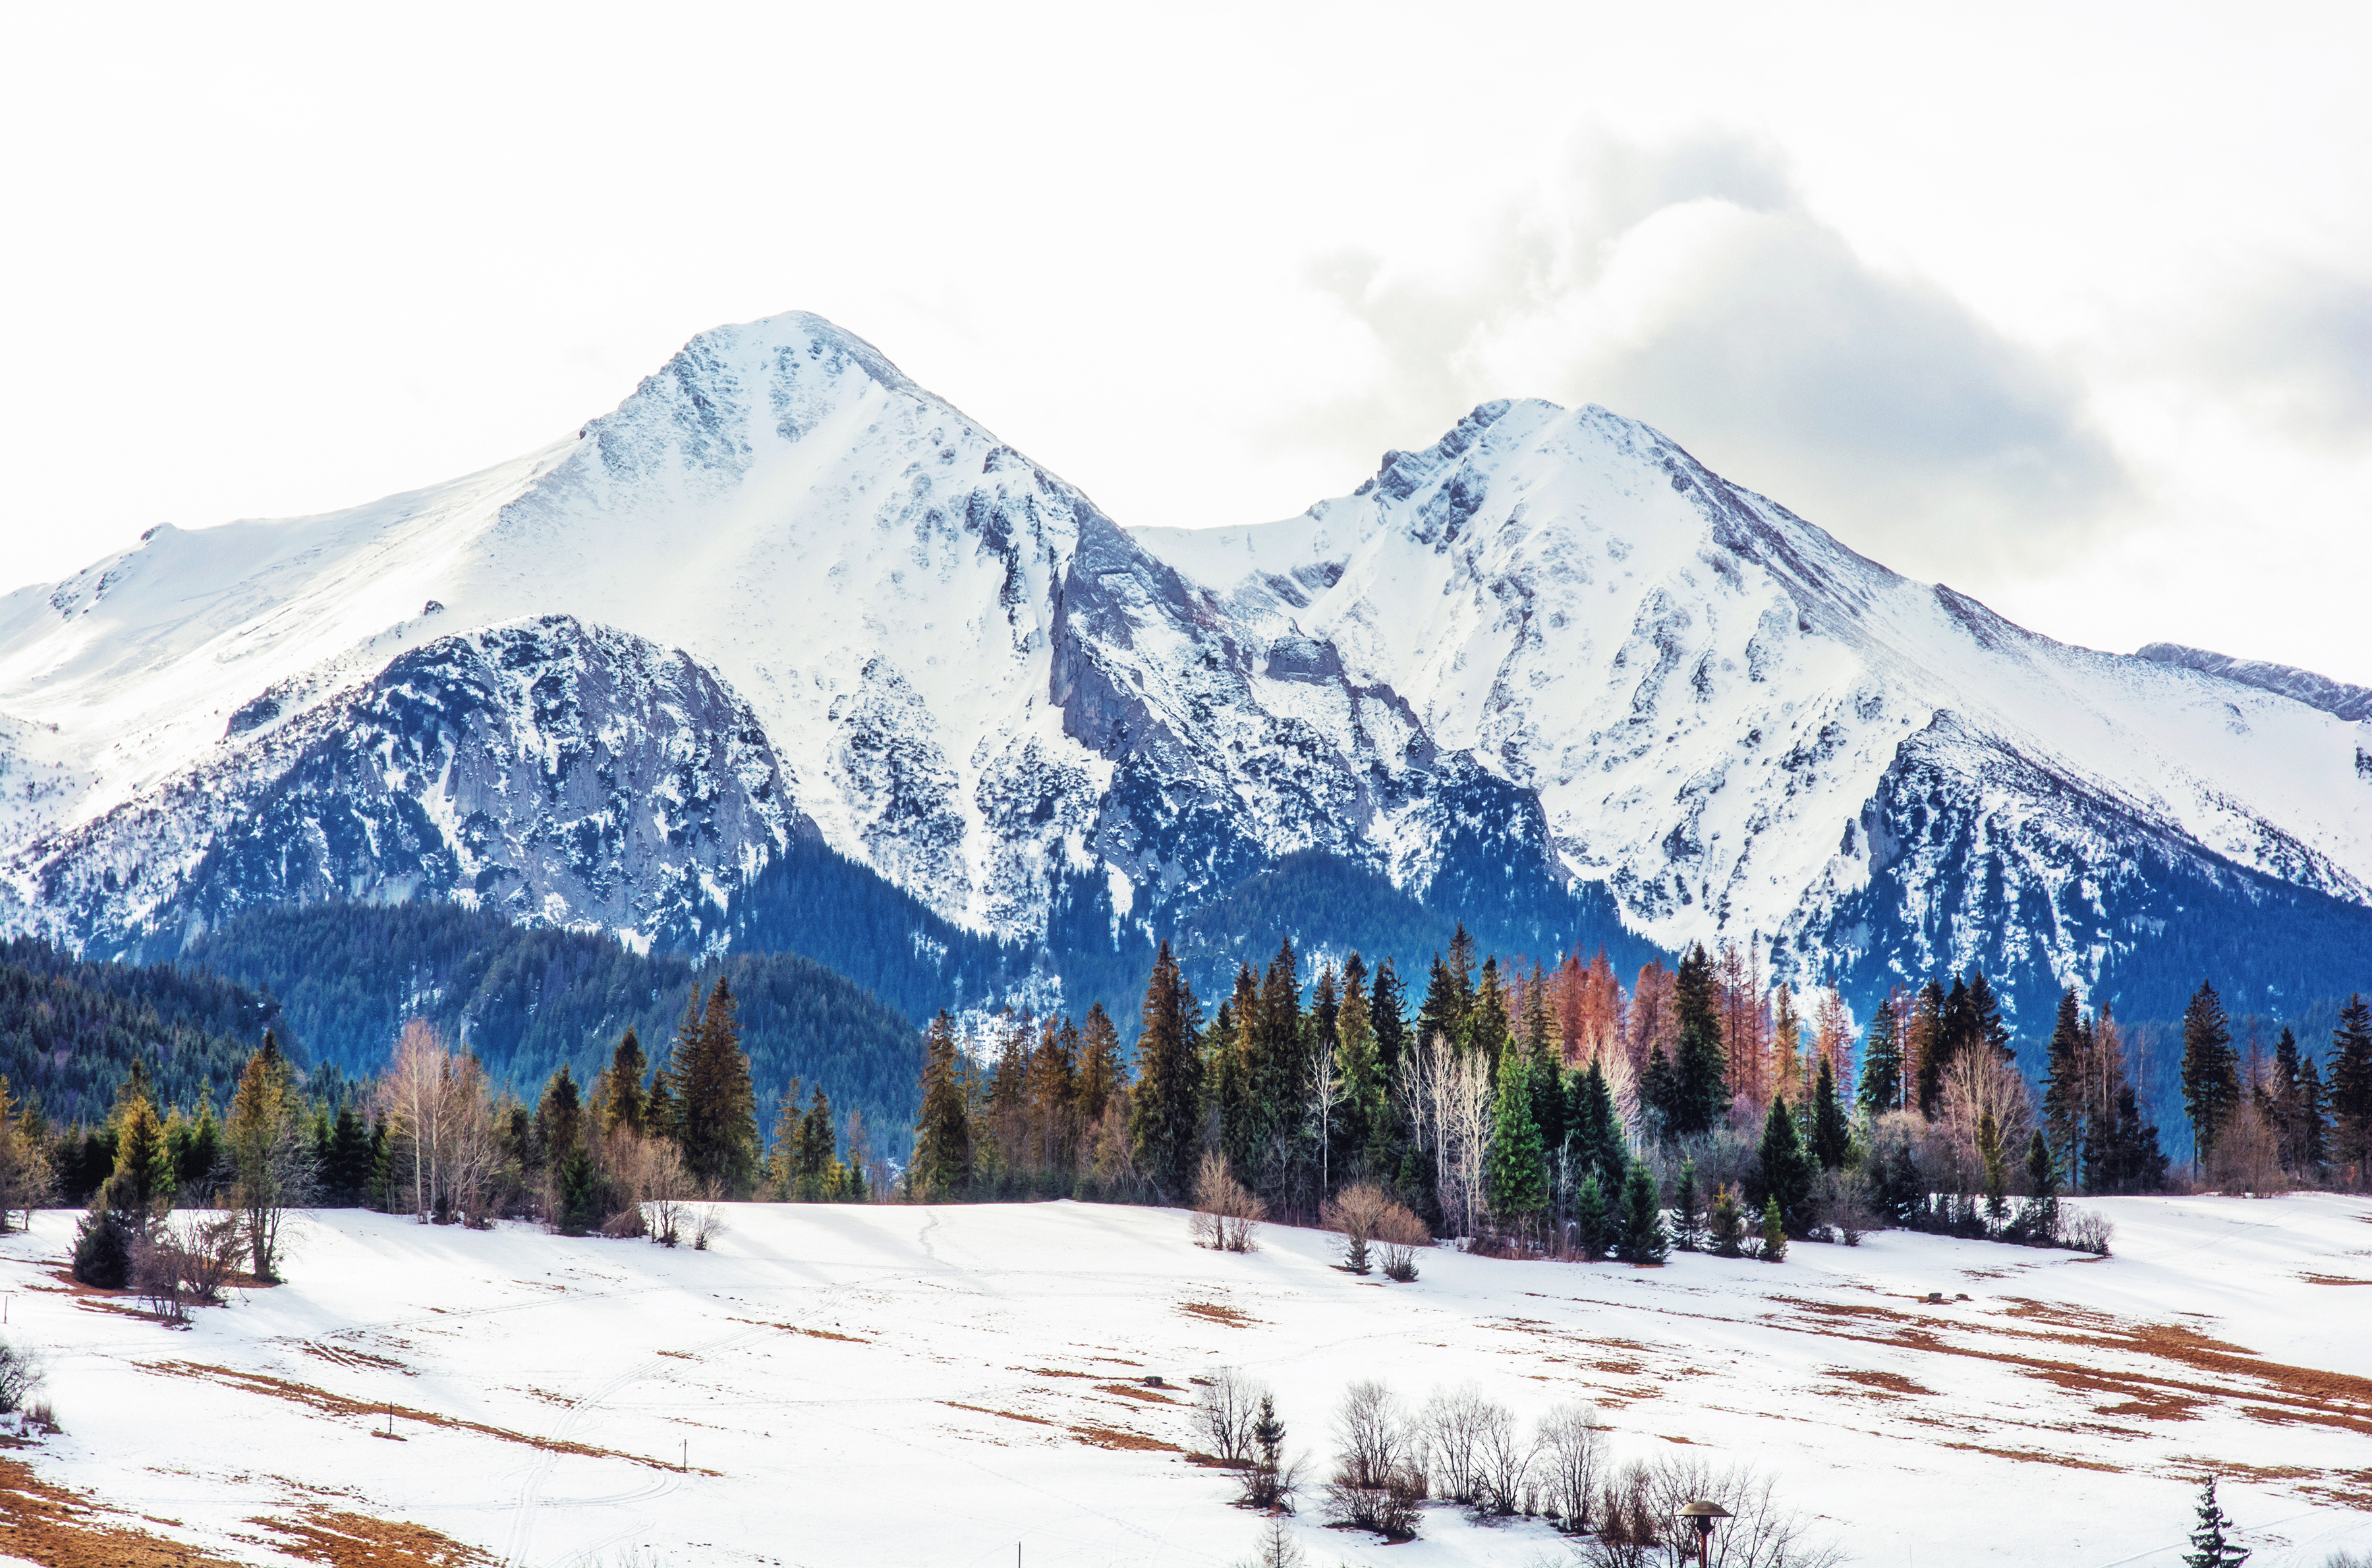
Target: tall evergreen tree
[943,1153]
[350,1158]
[719,1110]
[143,1164]
[1594,1141]
[1831,1139]
[1881,1060]
[1987,1029]
[1927,1047]
[2041,1217]
[2349,1084]
[2064,1084]
[2211,1076]
[2209,1549]
[627,1096]
[1643,1237]
[1700,1089]
[1100,1069]
[1359,1120]
[1785,1172]
[1165,1116]
[1515,1172]
[814,1171]
[2311,1121]
[1387,1010]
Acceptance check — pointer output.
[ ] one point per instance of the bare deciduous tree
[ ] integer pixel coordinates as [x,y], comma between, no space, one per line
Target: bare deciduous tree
[1224,1209]
[1401,1235]
[1378,1483]
[1446,1094]
[1227,1407]
[1355,1213]
[1639,1526]
[1573,1445]
[1505,1455]
[1451,1425]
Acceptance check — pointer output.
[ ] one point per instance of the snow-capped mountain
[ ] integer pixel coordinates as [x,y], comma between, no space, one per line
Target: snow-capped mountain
[782,592]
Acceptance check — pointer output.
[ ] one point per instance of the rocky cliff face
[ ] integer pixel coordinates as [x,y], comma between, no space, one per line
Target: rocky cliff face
[783,591]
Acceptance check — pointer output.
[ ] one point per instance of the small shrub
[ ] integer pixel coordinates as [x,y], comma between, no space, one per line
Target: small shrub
[1224,1210]
[707,1225]
[21,1372]
[103,1254]
[2086,1230]
[1725,1224]
[1400,1235]
[1355,1212]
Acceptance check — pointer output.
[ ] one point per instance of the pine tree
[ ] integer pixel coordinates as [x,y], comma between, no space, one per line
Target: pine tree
[1831,1140]
[577,1191]
[2279,1099]
[2211,1078]
[1881,1060]
[2208,1547]
[350,1157]
[1688,1209]
[1699,1091]
[1515,1177]
[273,1175]
[1989,1150]
[143,1164]
[1924,1047]
[1594,1130]
[719,1107]
[1725,1224]
[627,1100]
[814,1172]
[1987,1029]
[942,1166]
[1164,1121]
[2313,1123]
[1786,1172]
[559,1117]
[1774,1232]
[1388,1011]
[1643,1238]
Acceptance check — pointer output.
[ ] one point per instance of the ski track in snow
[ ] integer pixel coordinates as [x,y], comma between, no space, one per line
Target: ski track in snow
[902,1385]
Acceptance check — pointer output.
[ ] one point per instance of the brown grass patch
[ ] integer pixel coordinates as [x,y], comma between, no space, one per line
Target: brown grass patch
[681,1354]
[322,1400]
[2333,1279]
[57,1528]
[2037,1457]
[1010,1415]
[1121,1437]
[1057,1372]
[1212,1312]
[358,1540]
[1134,1391]
[1893,1384]
[339,1355]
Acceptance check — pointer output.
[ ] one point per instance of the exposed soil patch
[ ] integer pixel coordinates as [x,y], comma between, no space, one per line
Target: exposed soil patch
[2333,1279]
[2036,1457]
[1893,1384]
[57,1528]
[322,1400]
[1215,1313]
[1119,1437]
[1132,1391]
[1010,1415]
[358,1540]
[339,1355]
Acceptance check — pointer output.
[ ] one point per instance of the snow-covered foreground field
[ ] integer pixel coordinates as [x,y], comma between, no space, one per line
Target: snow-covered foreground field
[932,1386]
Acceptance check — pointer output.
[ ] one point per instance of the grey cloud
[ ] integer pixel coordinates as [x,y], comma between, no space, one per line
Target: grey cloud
[2300,346]
[1876,405]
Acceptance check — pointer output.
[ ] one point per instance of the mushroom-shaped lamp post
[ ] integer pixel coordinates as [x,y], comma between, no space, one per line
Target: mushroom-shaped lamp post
[1701,1516]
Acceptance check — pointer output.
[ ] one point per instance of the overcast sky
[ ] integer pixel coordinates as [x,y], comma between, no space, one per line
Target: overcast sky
[2069,306]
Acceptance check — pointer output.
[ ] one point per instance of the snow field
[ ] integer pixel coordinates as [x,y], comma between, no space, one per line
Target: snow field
[934,1385]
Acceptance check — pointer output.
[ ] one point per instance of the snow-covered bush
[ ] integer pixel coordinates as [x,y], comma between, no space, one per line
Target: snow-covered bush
[20,1373]
[2086,1230]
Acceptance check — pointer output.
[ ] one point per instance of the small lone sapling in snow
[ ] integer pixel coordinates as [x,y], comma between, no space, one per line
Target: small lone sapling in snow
[1224,1210]
[2208,1547]
[1355,1213]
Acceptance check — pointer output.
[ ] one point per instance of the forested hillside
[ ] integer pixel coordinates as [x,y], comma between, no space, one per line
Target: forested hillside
[527,999]
[70,1031]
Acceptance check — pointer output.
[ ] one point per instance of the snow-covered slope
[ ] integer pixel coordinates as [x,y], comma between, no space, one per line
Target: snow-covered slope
[1551,645]
[896,1385]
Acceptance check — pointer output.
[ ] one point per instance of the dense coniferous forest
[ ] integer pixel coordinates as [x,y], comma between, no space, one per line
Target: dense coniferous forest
[525,1001]
[70,1031]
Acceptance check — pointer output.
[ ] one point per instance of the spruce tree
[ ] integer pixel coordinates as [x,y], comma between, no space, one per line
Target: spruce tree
[1786,1172]
[2312,1122]
[350,1157]
[2211,1079]
[1594,1140]
[815,1170]
[1831,1139]
[577,1192]
[2063,1085]
[1700,1090]
[1100,1069]
[2040,1218]
[2349,1084]
[627,1097]
[1387,1010]
[719,1109]
[1725,1223]
[1881,1061]
[1924,1048]
[1774,1231]
[1590,1218]
[1643,1238]
[2208,1547]
[1989,1150]
[1165,1122]
[942,1166]
[1987,1029]
[143,1164]
[1359,1120]
[1515,1177]
[1688,1209]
